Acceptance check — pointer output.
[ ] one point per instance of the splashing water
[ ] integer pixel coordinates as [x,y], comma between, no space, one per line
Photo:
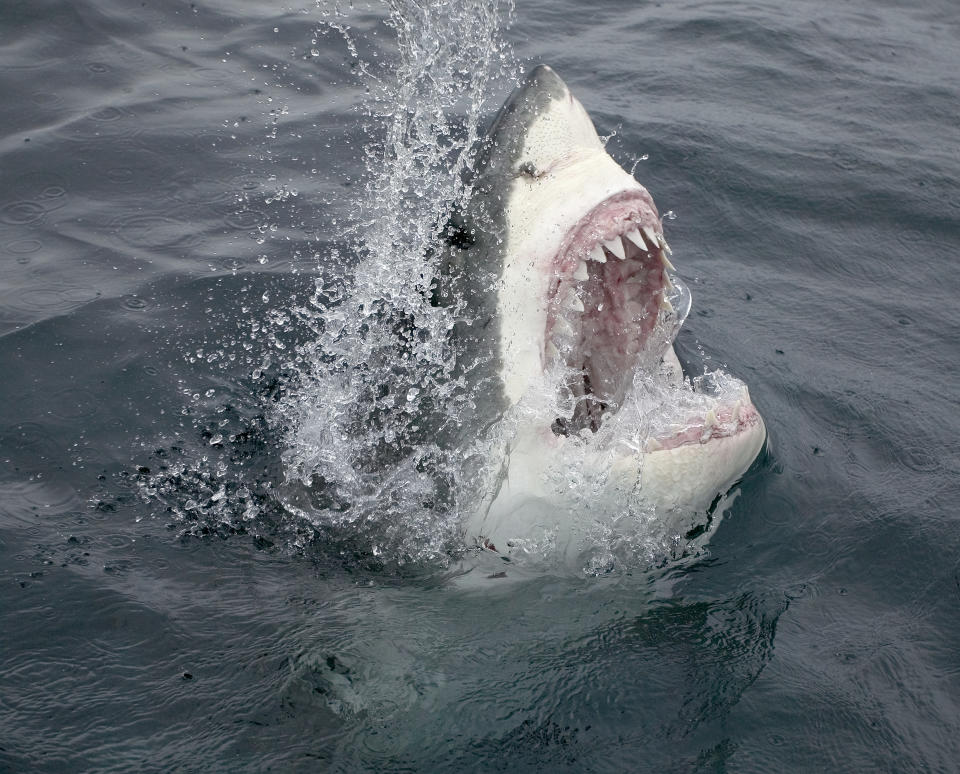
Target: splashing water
[366,412]
[615,526]
[373,412]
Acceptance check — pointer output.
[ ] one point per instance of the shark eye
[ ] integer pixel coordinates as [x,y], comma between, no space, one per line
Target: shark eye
[528,170]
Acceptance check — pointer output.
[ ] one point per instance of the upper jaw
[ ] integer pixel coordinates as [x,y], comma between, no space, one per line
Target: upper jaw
[605,314]
[609,316]
[605,301]
[543,218]
[623,230]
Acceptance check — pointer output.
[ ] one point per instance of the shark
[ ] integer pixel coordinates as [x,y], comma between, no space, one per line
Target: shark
[561,258]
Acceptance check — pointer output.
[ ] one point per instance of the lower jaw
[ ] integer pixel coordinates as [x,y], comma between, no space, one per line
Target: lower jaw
[677,484]
[691,475]
[737,421]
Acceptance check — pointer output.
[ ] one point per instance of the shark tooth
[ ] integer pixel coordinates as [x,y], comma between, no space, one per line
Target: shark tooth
[596,254]
[581,271]
[709,422]
[636,237]
[666,261]
[650,235]
[563,328]
[663,244]
[574,303]
[666,305]
[615,246]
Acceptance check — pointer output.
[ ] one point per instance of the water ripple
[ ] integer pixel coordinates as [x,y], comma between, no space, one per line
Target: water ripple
[21,213]
[156,231]
[24,246]
[46,300]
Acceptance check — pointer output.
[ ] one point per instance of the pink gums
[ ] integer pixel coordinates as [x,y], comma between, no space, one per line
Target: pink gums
[621,300]
[731,420]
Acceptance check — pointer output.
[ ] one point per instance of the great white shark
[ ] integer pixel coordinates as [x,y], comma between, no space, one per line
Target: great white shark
[561,259]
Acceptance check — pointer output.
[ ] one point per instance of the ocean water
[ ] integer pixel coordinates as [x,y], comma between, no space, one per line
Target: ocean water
[189,193]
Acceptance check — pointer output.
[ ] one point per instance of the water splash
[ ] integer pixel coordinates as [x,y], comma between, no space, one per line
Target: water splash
[376,387]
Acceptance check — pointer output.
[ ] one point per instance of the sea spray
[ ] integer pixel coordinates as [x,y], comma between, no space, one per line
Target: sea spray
[376,390]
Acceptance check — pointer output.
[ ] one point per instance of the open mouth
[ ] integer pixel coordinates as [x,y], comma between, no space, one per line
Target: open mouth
[609,314]
[605,303]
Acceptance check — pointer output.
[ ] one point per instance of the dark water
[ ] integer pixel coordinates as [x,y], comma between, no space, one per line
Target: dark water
[159,611]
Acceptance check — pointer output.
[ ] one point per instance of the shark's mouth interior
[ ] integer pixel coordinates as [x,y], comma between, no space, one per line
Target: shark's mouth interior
[609,315]
[605,302]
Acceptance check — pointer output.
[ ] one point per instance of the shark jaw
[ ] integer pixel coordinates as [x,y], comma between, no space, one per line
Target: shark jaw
[609,315]
[585,320]
[605,300]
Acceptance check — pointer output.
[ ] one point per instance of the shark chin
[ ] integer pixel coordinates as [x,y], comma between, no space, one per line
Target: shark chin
[562,259]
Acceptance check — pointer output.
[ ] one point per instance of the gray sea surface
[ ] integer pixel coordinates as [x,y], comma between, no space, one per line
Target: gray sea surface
[175,177]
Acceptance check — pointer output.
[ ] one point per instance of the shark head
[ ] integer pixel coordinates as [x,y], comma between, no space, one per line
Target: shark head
[584,254]
[587,309]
